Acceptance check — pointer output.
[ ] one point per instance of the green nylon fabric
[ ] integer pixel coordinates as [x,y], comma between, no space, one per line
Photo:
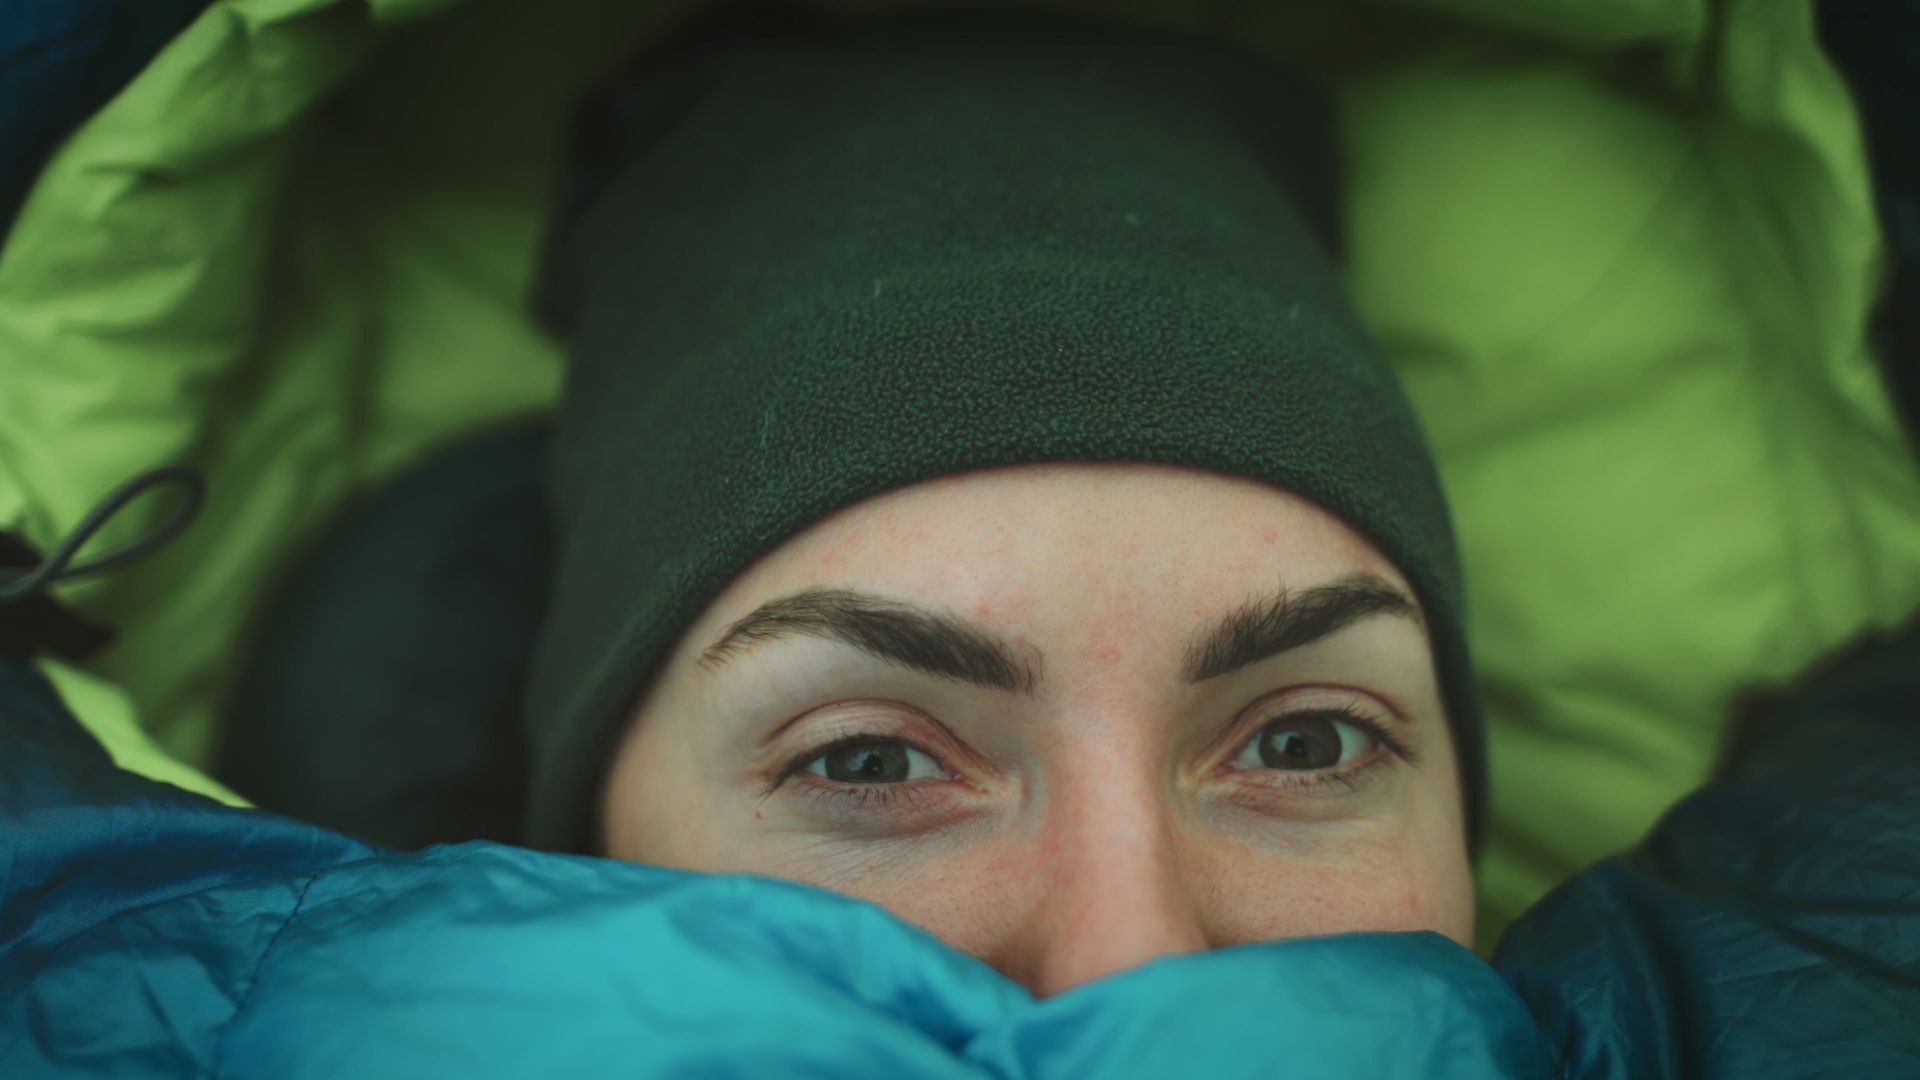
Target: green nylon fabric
[1619,253]
[826,268]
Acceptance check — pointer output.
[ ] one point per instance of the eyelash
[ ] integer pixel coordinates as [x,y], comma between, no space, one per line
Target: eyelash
[797,766]
[1350,777]
[859,796]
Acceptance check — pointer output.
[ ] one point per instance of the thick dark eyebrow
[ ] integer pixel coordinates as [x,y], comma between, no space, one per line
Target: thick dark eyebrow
[1288,620]
[941,645]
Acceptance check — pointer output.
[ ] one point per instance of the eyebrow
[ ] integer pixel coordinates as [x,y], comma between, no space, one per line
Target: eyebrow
[1288,620]
[952,648]
[924,641]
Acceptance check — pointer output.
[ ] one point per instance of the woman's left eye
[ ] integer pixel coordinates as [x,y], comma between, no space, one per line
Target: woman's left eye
[874,761]
[1306,742]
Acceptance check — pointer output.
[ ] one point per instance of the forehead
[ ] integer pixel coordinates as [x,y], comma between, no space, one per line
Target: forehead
[1076,548]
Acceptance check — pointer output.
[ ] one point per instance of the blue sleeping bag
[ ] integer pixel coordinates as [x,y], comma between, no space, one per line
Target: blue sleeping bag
[1770,927]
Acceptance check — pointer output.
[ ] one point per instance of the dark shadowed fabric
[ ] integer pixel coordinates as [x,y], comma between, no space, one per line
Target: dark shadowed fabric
[795,273]
[1877,48]
[1770,924]
[379,691]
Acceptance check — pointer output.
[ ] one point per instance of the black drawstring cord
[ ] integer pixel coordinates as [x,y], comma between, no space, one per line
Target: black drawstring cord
[15,587]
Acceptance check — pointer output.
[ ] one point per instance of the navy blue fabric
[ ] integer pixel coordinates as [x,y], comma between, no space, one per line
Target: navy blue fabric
[60,61]
[1770,925]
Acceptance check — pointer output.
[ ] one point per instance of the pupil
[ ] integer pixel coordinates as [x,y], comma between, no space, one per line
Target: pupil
[868,763]
[1300,744]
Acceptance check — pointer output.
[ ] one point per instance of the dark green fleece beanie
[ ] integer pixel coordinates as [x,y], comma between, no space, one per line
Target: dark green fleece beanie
[804,267]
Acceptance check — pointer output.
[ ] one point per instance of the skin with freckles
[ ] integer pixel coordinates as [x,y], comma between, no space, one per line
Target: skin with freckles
[984,702]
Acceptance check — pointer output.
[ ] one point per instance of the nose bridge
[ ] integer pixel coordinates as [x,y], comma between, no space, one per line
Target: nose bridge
[1117,894]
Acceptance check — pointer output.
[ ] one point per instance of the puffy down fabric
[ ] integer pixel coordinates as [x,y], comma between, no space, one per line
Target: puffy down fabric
[146,931]
[1621,253]
[1770,927]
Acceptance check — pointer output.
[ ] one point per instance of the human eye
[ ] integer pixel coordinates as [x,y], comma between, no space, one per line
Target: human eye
[1319,747]
[867,757]
[865,760]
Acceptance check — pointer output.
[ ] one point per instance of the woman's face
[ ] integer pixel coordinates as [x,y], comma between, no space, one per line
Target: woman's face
[1067,717]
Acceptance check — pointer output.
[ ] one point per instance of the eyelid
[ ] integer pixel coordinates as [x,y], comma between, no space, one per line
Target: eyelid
[848,731]
[1385,746]
[895,809]
[1278,792]
[1248,723]
[944,747]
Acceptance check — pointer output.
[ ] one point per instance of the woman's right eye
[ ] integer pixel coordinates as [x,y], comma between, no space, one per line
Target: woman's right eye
[875,761]
[1308,742]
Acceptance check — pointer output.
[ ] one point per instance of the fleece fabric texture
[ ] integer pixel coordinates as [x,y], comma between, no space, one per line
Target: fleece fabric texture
[807,271]
[1621,256]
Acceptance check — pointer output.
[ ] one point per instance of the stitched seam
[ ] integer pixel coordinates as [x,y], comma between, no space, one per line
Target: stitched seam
[220,1042]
